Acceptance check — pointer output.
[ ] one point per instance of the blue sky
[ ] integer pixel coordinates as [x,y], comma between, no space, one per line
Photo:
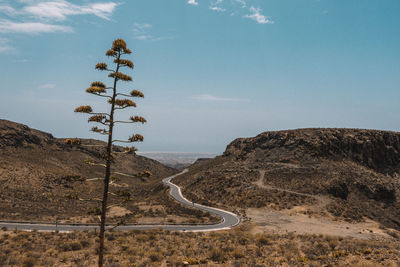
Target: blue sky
[211,71]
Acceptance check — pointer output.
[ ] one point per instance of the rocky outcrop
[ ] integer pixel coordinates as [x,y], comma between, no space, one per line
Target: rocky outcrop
[19,135]
[359,171]
[378,150]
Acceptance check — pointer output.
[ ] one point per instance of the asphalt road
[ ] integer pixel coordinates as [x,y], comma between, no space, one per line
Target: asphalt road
[228,219]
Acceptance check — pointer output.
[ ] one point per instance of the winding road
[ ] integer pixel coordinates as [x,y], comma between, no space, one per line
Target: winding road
[229,219]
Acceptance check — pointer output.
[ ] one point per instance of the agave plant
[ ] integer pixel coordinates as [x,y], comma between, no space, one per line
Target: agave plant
[117,101]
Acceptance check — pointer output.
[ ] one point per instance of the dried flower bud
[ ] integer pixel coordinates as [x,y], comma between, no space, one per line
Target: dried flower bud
[104,155]
[138,119]
[125,62]
[130,149]
[118,45]
[97,118]
[95,90]
[123,103]
[84,109]
[136,138]
[111,53]
[136,93]
[98,130]
[73,141]
[98,84]
[120,76]
[101,66]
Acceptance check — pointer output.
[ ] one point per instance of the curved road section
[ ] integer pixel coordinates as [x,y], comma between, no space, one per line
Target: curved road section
[229,219]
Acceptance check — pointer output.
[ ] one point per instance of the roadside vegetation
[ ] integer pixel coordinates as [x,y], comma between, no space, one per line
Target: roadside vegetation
[238,247]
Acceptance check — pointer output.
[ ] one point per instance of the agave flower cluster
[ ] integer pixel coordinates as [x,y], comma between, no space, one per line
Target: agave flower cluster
[98,88]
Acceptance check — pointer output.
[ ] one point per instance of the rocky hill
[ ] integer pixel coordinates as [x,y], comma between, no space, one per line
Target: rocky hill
[43,178]
[356,171]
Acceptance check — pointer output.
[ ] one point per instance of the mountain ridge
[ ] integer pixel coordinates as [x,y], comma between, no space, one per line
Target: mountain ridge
[357,169]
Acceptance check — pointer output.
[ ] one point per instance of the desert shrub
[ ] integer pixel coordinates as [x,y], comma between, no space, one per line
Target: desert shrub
[76,245]
[217,254]
[242,240]
[29,261]
[155,256]
[110,237]
[238,254]
[262,241]
[312,251]
[192,261]
[3,258]
[339,253]
[85,243]
[71,246]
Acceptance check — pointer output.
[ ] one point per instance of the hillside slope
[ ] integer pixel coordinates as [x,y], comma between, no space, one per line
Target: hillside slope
[352,174]
[42,178]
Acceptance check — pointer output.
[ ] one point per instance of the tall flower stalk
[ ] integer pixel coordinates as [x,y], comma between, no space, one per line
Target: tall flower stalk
[117,101]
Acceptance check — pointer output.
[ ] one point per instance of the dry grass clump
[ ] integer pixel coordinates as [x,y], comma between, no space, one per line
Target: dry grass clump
[238,247]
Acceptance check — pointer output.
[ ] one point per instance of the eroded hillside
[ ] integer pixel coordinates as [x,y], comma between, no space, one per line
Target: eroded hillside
[42,178]
[349,174]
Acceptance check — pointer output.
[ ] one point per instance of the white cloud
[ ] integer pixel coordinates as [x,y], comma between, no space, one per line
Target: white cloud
[36,15]
[141,32]
[7,10]
[207,97]
[5,46]
[7,26]
[192,2]
[242,3]
[257,16]
[47,86]
[237,7]
[217,8]
[60,9]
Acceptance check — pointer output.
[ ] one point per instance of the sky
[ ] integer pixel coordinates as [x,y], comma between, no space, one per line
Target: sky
[211,70]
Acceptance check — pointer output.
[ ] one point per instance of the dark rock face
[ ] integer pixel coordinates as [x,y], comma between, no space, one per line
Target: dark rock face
[334,161]
[18,135]
[378,150]
[338,189]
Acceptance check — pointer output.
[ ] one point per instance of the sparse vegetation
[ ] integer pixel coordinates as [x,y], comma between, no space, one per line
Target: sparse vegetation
[238,247]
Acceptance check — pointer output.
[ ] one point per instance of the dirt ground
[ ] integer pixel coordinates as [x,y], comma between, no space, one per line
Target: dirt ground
[309,219]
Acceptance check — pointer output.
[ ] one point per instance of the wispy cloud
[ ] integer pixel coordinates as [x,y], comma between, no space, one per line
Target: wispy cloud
[242,3]
[60,9]
[44,16]
[37,16]
[257,16]
[5,46]
[7,26]
[207,97]
[237,7]
[7,10]
[192,2]
[217,8]
[141,31]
